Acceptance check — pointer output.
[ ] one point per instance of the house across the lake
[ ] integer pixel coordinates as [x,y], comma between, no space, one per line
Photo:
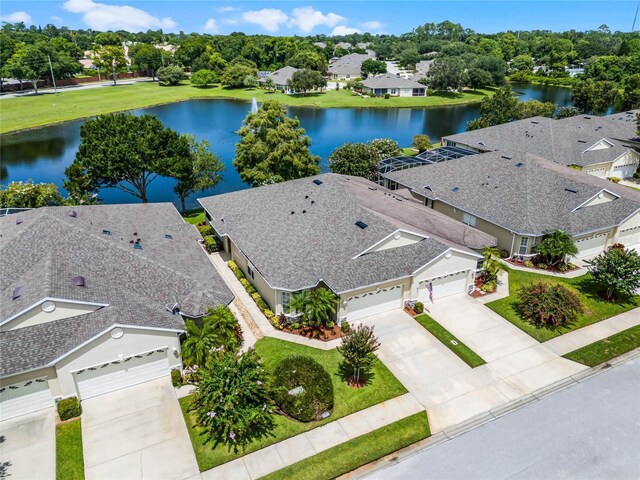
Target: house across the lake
[281,78]
[347,67]
[393,85]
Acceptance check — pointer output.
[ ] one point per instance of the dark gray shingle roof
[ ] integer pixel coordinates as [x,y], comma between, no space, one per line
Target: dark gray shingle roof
[391,80]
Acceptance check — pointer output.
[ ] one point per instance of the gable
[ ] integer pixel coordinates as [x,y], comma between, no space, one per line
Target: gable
[600,145]
[49,310]
[603,196]
[399,238]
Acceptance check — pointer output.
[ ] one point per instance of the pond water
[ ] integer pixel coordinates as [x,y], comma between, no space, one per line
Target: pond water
[43,154]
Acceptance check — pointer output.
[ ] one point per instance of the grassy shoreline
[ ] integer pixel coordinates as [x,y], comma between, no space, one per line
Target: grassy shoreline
[24,113]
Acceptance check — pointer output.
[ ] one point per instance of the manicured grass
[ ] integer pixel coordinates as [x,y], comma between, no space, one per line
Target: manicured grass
[607,348]
[596,308]
[409,152]
[38,110]
[382,386]
[69,458]
[195,216]
[350,455]
[467,355]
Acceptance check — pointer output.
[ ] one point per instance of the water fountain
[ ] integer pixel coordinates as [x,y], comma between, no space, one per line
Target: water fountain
[254,106]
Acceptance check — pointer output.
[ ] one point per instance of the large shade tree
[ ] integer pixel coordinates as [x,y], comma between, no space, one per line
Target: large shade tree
[361,159]
[616,272]
[273,147]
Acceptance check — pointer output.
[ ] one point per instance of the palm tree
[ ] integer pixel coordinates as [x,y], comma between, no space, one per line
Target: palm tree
[555,247]
[492,265]
[315,307]
[268,84]
[219,329]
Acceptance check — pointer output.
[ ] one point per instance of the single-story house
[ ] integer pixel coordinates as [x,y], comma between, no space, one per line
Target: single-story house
[393,85]
[93,299]
[320,45]
[343,45]
[280,78]
[517,197]
[601,146]
[421,70]
[347,67]
[372,248]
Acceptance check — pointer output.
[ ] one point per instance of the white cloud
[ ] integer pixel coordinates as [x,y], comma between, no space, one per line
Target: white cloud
[268,18]
[372,25]
[230,21]
[211,26]
[226,9]
[56,19]
[306,18]
[16,17]
[344,30]
[100,16]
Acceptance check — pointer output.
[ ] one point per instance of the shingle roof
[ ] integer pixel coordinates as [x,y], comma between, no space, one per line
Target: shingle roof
[298,233]
[48,248]
[530,199]
[566,141]
[283,75]
[390,80]
[349,64]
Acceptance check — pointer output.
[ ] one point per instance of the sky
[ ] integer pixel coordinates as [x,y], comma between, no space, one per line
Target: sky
[320,17]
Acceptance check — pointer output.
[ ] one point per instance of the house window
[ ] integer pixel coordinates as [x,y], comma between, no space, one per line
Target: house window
[469,219]
[250,271]
[524,243]
[393,91]
[286,298]
[392,185]
[428,202]
[418,92]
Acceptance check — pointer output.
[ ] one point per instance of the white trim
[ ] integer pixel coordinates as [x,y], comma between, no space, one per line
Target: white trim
[590,149]
[595,196]
[52,299]
[401,230]
[415,272]
[73,372]
[444,275]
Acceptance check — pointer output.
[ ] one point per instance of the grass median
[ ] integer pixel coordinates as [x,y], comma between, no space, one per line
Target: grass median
[607,348]
[350,455]
[467,355]
[38,110]
[69,455]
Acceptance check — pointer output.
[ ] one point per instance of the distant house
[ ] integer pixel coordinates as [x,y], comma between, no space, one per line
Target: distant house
[343,45]
[320,45]
[363,45]
[601,146]
[393,85]
[280,78]
[347,67]
[422,70]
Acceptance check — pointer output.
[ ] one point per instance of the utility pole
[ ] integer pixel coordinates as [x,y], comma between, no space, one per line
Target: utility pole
[52,77]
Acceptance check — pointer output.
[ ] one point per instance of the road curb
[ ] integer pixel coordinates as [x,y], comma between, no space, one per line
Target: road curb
[484,418]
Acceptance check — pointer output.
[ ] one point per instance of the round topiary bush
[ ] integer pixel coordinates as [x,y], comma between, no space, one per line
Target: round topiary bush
[302,388]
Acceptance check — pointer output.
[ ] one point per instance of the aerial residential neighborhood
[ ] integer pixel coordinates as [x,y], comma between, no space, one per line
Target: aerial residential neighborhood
[253,240]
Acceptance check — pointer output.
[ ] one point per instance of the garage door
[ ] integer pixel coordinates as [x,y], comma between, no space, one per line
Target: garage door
[443,286]
[624,171]
[630,238]
[591,246]
[24,397]
[374,302]
[118,374]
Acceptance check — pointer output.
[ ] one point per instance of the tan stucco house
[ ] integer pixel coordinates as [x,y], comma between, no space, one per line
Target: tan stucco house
[93,299]
[372,248]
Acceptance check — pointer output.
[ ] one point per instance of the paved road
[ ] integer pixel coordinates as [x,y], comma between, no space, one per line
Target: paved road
[587,431]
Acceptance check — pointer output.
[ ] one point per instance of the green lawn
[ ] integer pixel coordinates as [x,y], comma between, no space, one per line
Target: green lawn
[69,459]
[195,216]
[409,152]
[383,386]
[467,355]
[357,452]
[607,348]
[34,111]
[596,309]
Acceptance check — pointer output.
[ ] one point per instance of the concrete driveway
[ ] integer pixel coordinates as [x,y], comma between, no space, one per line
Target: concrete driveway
[28,445]
[137,432]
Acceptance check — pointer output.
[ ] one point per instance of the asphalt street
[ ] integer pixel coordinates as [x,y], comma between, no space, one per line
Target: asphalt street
[587,431]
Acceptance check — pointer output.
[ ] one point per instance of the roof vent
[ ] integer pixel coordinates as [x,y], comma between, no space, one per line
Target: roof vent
[306,196]
[572,190]
[455,189]
[78,281]
[304,211]
[361,224]
[481,143]
[18,221]
[519,164]
[106,232]
[317,181]
[137,246]
[587,118]
[292,212]
[582,141]
[17,293]
[312,202]
[72,213]
[534,122]
[506,157]
[427,187]
[168,235]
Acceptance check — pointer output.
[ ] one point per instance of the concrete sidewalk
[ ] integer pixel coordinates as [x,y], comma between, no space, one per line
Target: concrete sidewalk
[592,333]
[308,444]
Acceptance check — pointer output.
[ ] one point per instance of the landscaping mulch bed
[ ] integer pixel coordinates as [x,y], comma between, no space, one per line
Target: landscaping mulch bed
[534,268]
[410,311]
[477,292]
[323,334]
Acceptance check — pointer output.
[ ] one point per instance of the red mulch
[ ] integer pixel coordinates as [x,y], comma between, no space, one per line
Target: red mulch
[477,292]
[410,311]
[351,381]
[324,334]
[550,269]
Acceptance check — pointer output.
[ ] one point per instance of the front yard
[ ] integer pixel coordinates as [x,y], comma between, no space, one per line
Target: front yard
[596,309]
[606,349]
[382,386]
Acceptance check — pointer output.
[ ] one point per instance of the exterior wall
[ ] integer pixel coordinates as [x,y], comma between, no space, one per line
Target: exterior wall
[346,76]
[36,315]
[632,223]
[457,262]
[105,348]
[49,372]
[406,290]
[263,288]
[600,170]
[629,158]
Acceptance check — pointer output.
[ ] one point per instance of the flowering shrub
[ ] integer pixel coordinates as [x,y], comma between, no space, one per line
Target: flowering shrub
[549,304]
[232,402]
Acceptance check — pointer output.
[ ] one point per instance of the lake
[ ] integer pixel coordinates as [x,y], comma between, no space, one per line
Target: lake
[43,154]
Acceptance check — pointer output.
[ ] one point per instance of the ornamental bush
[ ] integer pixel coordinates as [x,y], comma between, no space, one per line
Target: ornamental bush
[212,244]
[205,230]
[302,388]
[549,304]
[418,307]
[68,408]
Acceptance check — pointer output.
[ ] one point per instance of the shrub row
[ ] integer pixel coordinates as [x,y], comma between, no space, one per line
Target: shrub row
[262,305]
[210,241]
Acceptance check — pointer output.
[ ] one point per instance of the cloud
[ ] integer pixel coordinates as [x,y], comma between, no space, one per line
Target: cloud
[306,19]
[372,25]
[100,16]
[226,9]
[344,30]
[230,21]
[56,19]
[211,26]
[16,17]
[268,18]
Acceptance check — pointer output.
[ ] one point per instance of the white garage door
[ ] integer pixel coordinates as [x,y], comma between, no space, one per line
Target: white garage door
[443,286]
[110,376]
[24,397]
[591,246]
[374,302]
[624,171]
[630,238]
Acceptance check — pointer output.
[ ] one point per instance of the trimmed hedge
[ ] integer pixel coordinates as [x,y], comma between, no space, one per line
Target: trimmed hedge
[317,396]
[69,408]
[176,378]
[205,230]
[253,293]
